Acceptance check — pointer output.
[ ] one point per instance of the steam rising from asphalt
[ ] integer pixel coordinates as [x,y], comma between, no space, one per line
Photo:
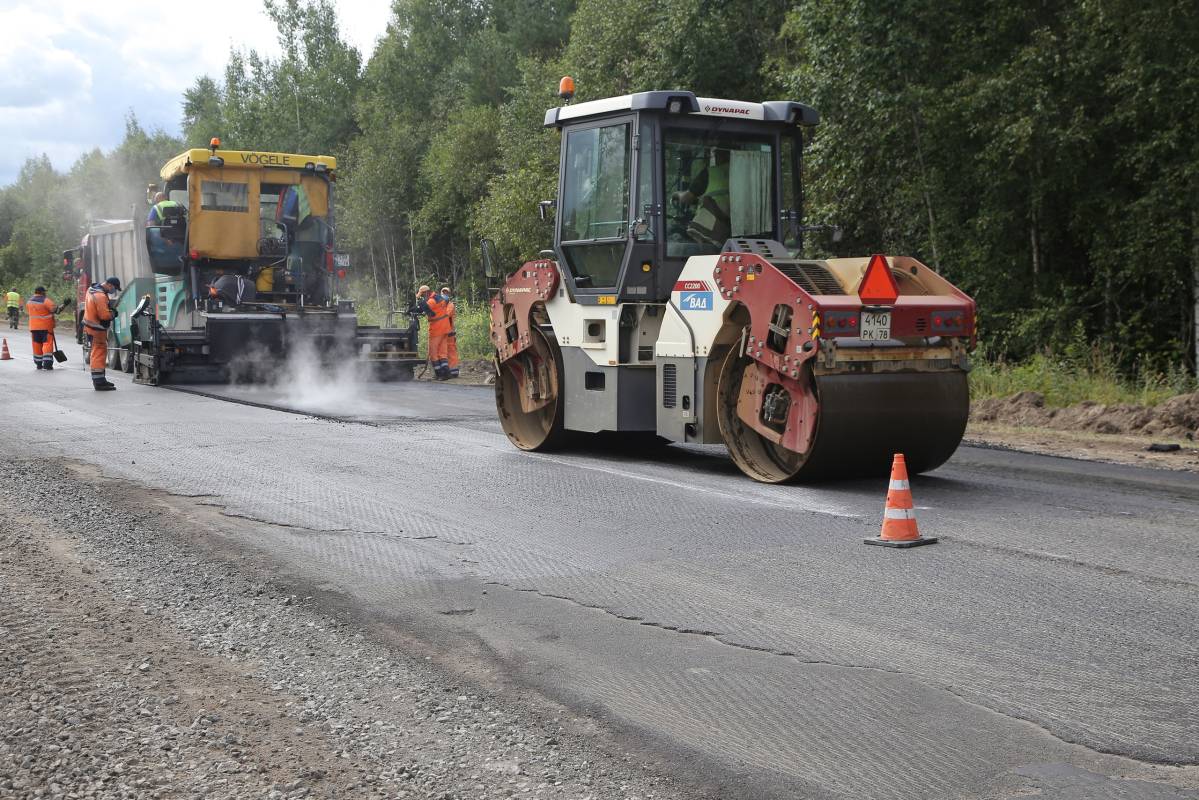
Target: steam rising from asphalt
[307,381]
[312,385]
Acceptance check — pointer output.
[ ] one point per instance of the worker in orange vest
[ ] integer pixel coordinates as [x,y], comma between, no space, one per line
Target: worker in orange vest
[97,317]
[436,308]
[451,349]
[41,310]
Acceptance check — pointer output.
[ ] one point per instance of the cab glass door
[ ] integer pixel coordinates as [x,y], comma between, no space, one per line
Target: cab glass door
[593,213]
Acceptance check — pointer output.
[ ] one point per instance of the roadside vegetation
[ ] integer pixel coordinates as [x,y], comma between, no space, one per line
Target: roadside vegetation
[1041,156]
[1064,381]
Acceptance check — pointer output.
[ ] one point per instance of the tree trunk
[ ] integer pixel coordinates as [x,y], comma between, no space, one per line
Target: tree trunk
[412,246]
[1034,243]
[917,122]
[389,262]
[1195,284]
[375,275]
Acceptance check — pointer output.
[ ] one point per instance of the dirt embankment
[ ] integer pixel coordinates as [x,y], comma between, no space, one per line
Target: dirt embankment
[1177,418]
[1122,433]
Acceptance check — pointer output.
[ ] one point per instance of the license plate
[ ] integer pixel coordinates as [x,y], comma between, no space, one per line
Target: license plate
[876,326]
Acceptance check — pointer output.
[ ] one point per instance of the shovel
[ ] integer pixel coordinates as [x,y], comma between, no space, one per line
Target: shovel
[59,355]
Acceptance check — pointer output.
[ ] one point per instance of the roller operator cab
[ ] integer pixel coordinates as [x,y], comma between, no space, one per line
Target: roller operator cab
[673,304]
[245,271]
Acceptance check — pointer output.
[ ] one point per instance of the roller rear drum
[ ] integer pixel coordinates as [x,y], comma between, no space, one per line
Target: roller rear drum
[863,420]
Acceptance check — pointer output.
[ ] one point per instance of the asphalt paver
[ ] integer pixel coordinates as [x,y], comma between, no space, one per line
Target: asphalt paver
[1047,645]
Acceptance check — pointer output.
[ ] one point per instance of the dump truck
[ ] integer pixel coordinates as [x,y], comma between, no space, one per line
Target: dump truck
[246,272]
[676,305]
[111,248]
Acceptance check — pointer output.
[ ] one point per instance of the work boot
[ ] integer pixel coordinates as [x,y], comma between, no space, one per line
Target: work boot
[104,386]
[37,364]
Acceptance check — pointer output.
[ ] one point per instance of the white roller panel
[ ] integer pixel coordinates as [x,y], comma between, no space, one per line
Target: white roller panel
[699,302]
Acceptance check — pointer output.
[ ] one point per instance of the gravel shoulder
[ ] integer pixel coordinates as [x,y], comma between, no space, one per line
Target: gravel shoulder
[142,660]
[1117,433]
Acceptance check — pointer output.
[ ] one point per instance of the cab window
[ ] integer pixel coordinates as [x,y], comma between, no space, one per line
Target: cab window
[792,191]
[224,196]
[718,186]
[594,214]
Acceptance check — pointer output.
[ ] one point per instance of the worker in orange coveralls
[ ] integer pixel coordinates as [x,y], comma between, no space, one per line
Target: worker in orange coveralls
[451,349]
[41,310]
[97,317]
[436,310]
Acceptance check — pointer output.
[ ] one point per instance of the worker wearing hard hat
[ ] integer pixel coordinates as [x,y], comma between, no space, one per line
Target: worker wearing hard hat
[451,347]
[41,311]
[12,300]
[97,317]
[436,308]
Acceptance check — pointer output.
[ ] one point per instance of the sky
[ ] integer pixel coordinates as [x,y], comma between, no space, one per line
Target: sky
[71,70]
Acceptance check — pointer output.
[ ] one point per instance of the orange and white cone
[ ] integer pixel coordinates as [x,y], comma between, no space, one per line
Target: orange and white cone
[4,354]
[899,518]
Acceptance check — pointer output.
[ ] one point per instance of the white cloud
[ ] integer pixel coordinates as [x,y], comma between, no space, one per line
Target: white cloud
[34,71]
[71,70]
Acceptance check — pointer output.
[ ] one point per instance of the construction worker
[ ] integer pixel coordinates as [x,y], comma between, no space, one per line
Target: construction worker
[97,317]
[41,310]
[451,348]
[13,301]
[158,211]
[232,290]
[435,308]
[709,193]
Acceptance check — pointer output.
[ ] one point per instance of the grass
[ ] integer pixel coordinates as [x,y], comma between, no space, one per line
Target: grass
[1065,382]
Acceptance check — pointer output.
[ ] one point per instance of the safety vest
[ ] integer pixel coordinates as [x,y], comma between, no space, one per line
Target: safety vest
[41,313]
[14,299]
[96,314]
[439,317]
[156,213]
[718,182]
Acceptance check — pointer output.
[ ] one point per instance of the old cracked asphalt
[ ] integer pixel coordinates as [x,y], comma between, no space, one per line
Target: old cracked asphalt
[741,632]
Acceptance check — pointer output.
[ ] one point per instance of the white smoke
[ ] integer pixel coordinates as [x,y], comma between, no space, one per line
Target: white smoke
[336,384]
[312,383]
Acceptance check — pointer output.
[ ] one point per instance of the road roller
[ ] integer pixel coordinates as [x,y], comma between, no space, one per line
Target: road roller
[676,306]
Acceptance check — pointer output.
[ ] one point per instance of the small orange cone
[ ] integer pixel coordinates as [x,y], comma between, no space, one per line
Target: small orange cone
[4,354]
[899,518]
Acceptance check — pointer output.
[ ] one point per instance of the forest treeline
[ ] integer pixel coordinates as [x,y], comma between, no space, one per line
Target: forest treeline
[1042,155]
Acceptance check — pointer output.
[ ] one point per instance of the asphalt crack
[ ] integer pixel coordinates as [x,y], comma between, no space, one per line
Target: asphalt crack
[718,637]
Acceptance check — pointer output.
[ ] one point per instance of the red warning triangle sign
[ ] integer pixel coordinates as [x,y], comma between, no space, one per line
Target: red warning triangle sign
[878,287]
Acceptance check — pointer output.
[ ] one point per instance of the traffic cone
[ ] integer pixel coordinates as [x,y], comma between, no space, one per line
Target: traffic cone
[899,518]
[4,354]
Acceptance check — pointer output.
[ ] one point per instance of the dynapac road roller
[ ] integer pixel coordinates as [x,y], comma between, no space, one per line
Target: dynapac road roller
[674,304]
